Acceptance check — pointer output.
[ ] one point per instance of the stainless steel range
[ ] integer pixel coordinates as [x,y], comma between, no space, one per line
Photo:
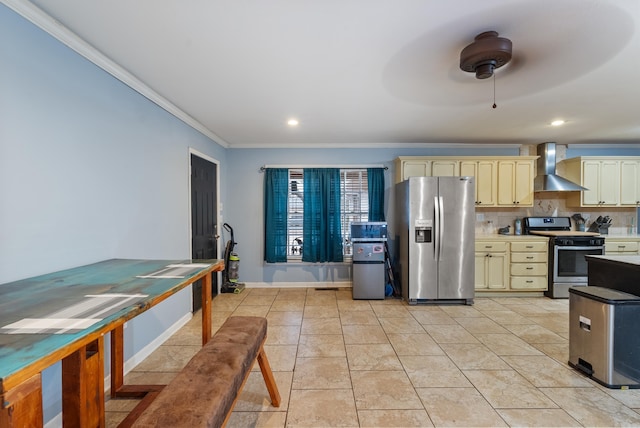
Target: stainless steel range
[567,251]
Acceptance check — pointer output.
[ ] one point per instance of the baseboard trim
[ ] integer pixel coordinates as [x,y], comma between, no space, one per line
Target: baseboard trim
[320,284]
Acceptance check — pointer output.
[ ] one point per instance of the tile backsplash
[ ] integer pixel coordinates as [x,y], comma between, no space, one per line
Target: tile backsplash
[553,204]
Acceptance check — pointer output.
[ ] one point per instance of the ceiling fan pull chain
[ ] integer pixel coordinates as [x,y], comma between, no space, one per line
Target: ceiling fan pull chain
[494,91]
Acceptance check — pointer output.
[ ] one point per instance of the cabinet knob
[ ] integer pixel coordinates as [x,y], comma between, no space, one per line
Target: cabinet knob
[529,257]
[529,246]
[529,281]
[529,268]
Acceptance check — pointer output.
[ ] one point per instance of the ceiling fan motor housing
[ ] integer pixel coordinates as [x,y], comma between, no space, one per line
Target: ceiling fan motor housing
[485,54]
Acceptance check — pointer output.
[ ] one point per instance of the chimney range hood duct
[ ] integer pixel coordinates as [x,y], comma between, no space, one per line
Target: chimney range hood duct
[547,180]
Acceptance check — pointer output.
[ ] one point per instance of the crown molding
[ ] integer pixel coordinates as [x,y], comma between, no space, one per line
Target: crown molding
[389,145]
[56,29]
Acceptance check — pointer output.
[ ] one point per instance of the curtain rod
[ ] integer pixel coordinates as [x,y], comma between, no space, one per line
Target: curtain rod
[262,168]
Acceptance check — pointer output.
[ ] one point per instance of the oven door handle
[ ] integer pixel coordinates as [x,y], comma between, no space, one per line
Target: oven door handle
[579,248]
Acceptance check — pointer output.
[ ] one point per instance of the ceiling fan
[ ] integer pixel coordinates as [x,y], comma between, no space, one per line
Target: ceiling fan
[485,54]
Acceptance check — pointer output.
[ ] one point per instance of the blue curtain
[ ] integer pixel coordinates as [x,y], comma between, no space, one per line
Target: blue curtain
[375,177]
[321,232]
[276,193]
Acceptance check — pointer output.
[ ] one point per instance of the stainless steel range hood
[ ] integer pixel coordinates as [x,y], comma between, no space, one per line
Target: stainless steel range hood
[547,180]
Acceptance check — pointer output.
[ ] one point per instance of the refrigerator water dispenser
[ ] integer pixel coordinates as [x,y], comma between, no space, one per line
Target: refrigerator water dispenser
[423,234]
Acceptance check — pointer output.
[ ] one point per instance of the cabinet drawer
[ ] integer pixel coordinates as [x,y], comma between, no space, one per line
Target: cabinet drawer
[621,247]
[528,269]
[528,246]
[491,247]
[529,257]
[529,282]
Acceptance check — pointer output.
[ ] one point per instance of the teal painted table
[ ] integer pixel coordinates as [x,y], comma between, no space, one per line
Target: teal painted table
[64,316]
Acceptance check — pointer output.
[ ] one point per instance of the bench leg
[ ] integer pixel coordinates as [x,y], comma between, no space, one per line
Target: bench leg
[269,380]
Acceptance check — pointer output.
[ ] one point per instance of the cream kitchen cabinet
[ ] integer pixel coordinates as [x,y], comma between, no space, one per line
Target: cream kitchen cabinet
[500,180]
[491,265]
[529,264]
[445,168]
[511,265]
[515,183]
[602,180]
[418,166]
[601,176]
[412,168]
[486,180]
[630,183]
[621,246]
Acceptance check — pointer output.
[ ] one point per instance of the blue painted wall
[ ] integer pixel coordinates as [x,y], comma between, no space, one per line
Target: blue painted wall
[89,170]
[244,212]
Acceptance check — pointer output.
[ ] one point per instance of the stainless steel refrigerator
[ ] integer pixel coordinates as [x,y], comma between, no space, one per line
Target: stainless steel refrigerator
[435,228]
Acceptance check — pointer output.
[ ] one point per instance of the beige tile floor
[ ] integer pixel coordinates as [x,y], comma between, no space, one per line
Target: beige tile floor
[340,362]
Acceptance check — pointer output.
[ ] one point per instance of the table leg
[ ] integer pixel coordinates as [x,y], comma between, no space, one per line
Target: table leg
[117,359]
[21,407]
[83,387]
[206,308]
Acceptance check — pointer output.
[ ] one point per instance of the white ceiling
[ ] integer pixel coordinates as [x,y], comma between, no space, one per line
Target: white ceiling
[376,72]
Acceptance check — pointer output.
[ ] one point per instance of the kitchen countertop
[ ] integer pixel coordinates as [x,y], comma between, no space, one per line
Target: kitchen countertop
[555,233]
[535,237]
[621,236]
[629,260]
[617,272]
[499,237]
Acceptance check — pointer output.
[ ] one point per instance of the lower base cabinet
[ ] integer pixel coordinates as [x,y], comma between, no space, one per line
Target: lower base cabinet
[511,264]
[529,261]
[492,262]
[621,246]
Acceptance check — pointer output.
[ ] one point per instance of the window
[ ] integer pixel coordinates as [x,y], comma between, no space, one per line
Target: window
[354,202]
[354,206]
[295,212]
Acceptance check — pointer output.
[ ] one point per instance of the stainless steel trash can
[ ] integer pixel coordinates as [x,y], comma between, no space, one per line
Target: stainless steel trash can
[603,335]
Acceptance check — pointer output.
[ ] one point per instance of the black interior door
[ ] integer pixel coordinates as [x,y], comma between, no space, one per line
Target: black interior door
[204,227]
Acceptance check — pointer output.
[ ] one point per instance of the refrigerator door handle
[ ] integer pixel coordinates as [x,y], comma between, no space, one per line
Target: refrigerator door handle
[440,226]
[436,240]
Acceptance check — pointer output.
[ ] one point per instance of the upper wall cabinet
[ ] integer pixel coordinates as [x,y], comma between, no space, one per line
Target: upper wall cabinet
[500,180]
[515,178]
[612,181]
[486,175]
[418,166]
[630,182]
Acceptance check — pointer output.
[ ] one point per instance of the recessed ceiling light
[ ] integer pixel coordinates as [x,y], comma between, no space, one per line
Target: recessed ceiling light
[557,123]
[292,122]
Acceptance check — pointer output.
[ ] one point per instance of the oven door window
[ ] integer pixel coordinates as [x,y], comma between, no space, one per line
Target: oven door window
[570,263]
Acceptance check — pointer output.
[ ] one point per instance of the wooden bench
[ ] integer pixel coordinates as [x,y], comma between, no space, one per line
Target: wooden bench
[204,393]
